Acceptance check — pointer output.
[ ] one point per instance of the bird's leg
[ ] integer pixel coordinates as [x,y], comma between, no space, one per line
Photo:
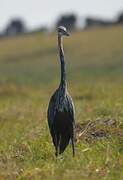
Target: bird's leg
[57,144]
[72,141]
[56,153]
[73,147]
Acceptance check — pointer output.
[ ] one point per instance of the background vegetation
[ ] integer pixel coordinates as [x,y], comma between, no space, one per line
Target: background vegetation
[29,74]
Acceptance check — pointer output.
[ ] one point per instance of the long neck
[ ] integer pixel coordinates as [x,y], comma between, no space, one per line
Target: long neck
[62,61]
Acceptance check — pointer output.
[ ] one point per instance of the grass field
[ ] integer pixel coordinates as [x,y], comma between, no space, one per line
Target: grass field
[29,74]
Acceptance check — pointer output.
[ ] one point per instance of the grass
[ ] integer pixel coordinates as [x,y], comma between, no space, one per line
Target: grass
[29,74]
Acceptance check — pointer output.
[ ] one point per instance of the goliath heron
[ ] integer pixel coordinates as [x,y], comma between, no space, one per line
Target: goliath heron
[61,108]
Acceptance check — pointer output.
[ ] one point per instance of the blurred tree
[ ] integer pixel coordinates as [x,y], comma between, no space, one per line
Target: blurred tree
[120,18]
[69,21]
[96,22]
[16,26]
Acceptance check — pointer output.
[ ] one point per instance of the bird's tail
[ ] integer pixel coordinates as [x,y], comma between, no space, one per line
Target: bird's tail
[64,141]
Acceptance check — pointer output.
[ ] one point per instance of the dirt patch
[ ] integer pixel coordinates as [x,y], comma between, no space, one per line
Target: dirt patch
[100,128]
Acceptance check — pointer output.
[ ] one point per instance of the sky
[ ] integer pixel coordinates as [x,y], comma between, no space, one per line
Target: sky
[45,12]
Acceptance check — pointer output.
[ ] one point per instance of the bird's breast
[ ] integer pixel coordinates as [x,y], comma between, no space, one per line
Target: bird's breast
[61,104]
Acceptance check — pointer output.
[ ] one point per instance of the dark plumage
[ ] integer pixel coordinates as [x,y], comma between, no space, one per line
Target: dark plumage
[61,108]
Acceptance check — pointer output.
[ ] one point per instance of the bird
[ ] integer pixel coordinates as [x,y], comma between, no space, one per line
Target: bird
[61,111]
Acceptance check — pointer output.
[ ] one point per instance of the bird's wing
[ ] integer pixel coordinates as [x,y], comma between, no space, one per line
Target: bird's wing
[51,110]
[71,108]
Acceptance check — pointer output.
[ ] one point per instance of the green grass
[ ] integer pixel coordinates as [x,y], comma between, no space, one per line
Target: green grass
[29,74]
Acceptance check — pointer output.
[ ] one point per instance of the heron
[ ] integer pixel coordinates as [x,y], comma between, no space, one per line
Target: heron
[61,113]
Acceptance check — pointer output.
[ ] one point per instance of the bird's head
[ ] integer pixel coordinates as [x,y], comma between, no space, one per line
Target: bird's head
[62,31]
